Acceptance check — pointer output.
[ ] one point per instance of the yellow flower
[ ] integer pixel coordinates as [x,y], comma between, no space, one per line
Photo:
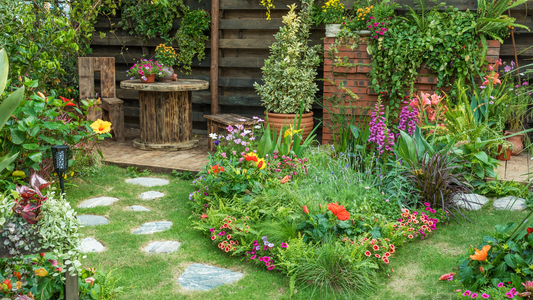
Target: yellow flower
[41,272]
[291,132]
[19,174]
[100,126]
[18,284]
[261,163]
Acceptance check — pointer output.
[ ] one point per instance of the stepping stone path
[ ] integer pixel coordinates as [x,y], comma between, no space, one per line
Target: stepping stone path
[148,181]
[203,277]
[91,245]
[92,220]
[151,195]
[512,203]
[100,201]
[138,208]
[162,247]
[473,201]
[151,227]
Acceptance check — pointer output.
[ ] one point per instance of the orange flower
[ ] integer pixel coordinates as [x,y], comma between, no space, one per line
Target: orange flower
[339,211]
[204,216]
[17,275]
[306,210]
[7,283]
[481,255]
[217,169]
[285,179]
[481,269]
[251,157]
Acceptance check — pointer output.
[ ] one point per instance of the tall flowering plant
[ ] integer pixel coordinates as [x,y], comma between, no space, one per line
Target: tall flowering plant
[380,134]
[233,146]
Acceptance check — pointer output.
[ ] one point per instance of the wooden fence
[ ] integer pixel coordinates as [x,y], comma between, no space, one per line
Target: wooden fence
[244,39]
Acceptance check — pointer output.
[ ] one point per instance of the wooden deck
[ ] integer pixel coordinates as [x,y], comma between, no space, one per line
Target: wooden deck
[516,168]
[124,155]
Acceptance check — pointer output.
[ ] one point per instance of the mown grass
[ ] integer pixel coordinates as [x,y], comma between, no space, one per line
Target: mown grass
[417,266]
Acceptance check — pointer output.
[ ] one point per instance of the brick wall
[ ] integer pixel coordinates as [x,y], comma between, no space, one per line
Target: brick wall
[354,78]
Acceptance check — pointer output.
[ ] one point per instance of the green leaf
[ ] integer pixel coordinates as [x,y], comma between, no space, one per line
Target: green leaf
[44,289]
[5,161]
[17,136]
[36,156]
[509,261]
[4,70]
[9,105]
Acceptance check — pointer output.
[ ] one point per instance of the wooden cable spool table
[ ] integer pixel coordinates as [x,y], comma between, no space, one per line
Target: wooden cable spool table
[165,113]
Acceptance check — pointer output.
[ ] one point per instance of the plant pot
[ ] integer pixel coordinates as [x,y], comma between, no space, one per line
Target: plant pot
[363,33]
[149,78]
[517,141]
[504,155]
[169,75]
[286,120]
[332,30]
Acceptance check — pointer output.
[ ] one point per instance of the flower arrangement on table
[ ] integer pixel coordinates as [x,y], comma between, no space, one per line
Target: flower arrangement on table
[146,70]
[165,55]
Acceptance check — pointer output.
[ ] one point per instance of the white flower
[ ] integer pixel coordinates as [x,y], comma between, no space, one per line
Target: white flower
[213,136]
[246,131]
[257,126]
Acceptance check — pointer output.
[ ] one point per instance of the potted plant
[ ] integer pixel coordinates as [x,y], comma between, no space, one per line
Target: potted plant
[146,70]
[331,14]
[359,21]
[504,150]
[166,56]
[289,73]
[515,113]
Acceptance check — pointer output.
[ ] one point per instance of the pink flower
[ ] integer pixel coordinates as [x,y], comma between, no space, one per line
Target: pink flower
[474,295]
[253,256]
[500,284]
[435,99]
[486,296]
[53,262]
[270,268]
[369,26]
[283,245]
[509,295]
[425,99]
[381,32]
[89,280]
[234,152]
[141,73]
[467,293]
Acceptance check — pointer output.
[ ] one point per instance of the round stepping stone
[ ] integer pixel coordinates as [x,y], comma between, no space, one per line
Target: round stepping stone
[151,227]
[100,201]
[138,208]
[470,201]
[204,277]
[92,220]
[148,181]
[151,195]
[162,247]
[512,203]
[89,244]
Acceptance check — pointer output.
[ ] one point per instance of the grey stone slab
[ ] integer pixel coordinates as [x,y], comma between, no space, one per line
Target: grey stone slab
[138,208]
[148,181]
[204,277]
[162,247]
[92,220]
[151,195]
[470,201]
[151,227]
[512,203]
[100,201]
[90,244]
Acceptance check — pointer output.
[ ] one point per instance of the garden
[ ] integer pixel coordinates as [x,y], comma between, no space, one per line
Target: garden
[401,198]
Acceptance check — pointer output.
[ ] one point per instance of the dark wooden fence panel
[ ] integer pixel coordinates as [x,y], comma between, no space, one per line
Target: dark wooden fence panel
[244,39]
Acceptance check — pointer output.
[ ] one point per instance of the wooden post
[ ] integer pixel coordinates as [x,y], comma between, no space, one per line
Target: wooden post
[215,11]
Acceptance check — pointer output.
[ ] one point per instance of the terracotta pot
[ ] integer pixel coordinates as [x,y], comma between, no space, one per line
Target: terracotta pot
[149,78]
[286,120]
[169,75]
[175,77]
[517,141]
[504,155]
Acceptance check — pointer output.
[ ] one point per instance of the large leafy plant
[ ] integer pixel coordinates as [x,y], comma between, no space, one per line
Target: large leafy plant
[7,107]
[289,73]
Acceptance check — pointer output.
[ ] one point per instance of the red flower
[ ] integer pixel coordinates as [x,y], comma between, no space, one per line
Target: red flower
[213,237]
[204,216]
[7,282]
[228,236]
[41,254]
[70,104]
[217,169]
[251,157]
[306,210]
[367,253]
[529,231]
[17,275]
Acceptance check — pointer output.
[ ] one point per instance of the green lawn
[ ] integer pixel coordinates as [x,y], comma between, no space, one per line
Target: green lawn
[417,266]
